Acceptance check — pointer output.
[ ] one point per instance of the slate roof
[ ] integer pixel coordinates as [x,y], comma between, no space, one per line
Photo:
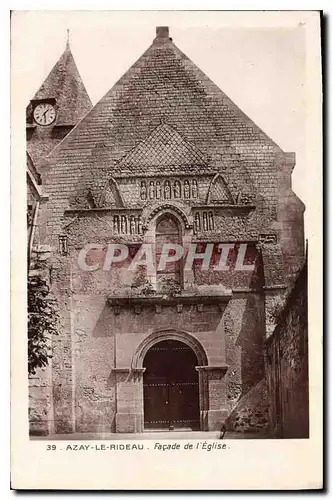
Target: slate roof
[64,83]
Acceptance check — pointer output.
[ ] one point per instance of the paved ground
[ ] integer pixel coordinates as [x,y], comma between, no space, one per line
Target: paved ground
[151,435]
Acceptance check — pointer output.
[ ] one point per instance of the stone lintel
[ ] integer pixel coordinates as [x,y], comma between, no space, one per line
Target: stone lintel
[226,206]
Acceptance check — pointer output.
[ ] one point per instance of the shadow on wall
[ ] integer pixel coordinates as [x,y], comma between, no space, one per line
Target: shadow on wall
[103,326]
[94,360]
[252,335]
[251,340]
[251,411]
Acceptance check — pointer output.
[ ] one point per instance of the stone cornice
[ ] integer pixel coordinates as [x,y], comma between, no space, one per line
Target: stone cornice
[161,300]
[88,211]
[267,288]
[228,209]
[159,173]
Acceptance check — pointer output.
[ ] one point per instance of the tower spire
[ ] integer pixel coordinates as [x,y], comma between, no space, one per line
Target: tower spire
[67,41]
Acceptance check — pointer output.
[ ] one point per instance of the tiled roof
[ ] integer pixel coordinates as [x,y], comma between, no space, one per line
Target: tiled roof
[164,147]
[164,86]
[64,83]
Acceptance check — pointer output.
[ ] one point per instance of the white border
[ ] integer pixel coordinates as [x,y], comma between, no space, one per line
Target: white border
[213,473]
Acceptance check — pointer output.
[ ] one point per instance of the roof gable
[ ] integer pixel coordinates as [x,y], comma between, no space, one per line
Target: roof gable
[164,85]
[164,147]
[165,97]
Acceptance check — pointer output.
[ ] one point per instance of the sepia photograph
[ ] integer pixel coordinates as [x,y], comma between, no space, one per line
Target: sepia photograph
[168,229]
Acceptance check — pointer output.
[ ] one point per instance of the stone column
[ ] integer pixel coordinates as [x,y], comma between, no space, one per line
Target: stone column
[213,396]
[129,399]
[188,275]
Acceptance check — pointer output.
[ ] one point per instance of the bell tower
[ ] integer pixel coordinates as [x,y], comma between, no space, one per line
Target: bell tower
[58,105]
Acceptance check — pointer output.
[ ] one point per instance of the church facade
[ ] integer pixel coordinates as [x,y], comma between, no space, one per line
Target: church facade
[165,161]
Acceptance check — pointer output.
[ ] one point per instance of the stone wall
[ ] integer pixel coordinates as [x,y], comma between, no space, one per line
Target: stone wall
[287,366]
[104,340]
[252,412]
[183,149]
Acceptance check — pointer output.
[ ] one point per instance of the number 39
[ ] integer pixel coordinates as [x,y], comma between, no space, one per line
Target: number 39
[51,447]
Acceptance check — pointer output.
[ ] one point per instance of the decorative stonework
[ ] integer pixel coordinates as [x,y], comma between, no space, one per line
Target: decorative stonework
[168,189]
[166,207]
[63,244]
[219,191]
[203,221]
[268,239]
[136,303]
[101,194]
[109,196]
[163,147]
[127,224]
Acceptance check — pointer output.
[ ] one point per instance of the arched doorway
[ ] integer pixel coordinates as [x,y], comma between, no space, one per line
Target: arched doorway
[171,387]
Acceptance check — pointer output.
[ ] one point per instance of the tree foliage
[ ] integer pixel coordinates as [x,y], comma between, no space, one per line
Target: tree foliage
[42,322]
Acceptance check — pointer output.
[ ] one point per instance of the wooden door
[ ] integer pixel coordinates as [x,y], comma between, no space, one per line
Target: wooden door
[170,385]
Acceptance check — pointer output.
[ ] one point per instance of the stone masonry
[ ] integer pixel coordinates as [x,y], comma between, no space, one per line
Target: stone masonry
[287,366]
[165,153]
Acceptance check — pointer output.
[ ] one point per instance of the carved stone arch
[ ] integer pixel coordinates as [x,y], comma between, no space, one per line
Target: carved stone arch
[172,209]
[113,183]
[110,190]
[168,334]
[219,183]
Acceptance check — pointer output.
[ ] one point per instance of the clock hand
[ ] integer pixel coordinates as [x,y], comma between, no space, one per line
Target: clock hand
[44,115]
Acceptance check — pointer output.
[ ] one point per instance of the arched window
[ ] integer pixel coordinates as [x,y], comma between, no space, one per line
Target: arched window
[168,231]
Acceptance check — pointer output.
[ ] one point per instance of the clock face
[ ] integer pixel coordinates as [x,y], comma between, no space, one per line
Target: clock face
[44,114]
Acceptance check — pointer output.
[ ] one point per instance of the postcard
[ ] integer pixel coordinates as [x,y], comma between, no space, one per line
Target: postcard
[166,250]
